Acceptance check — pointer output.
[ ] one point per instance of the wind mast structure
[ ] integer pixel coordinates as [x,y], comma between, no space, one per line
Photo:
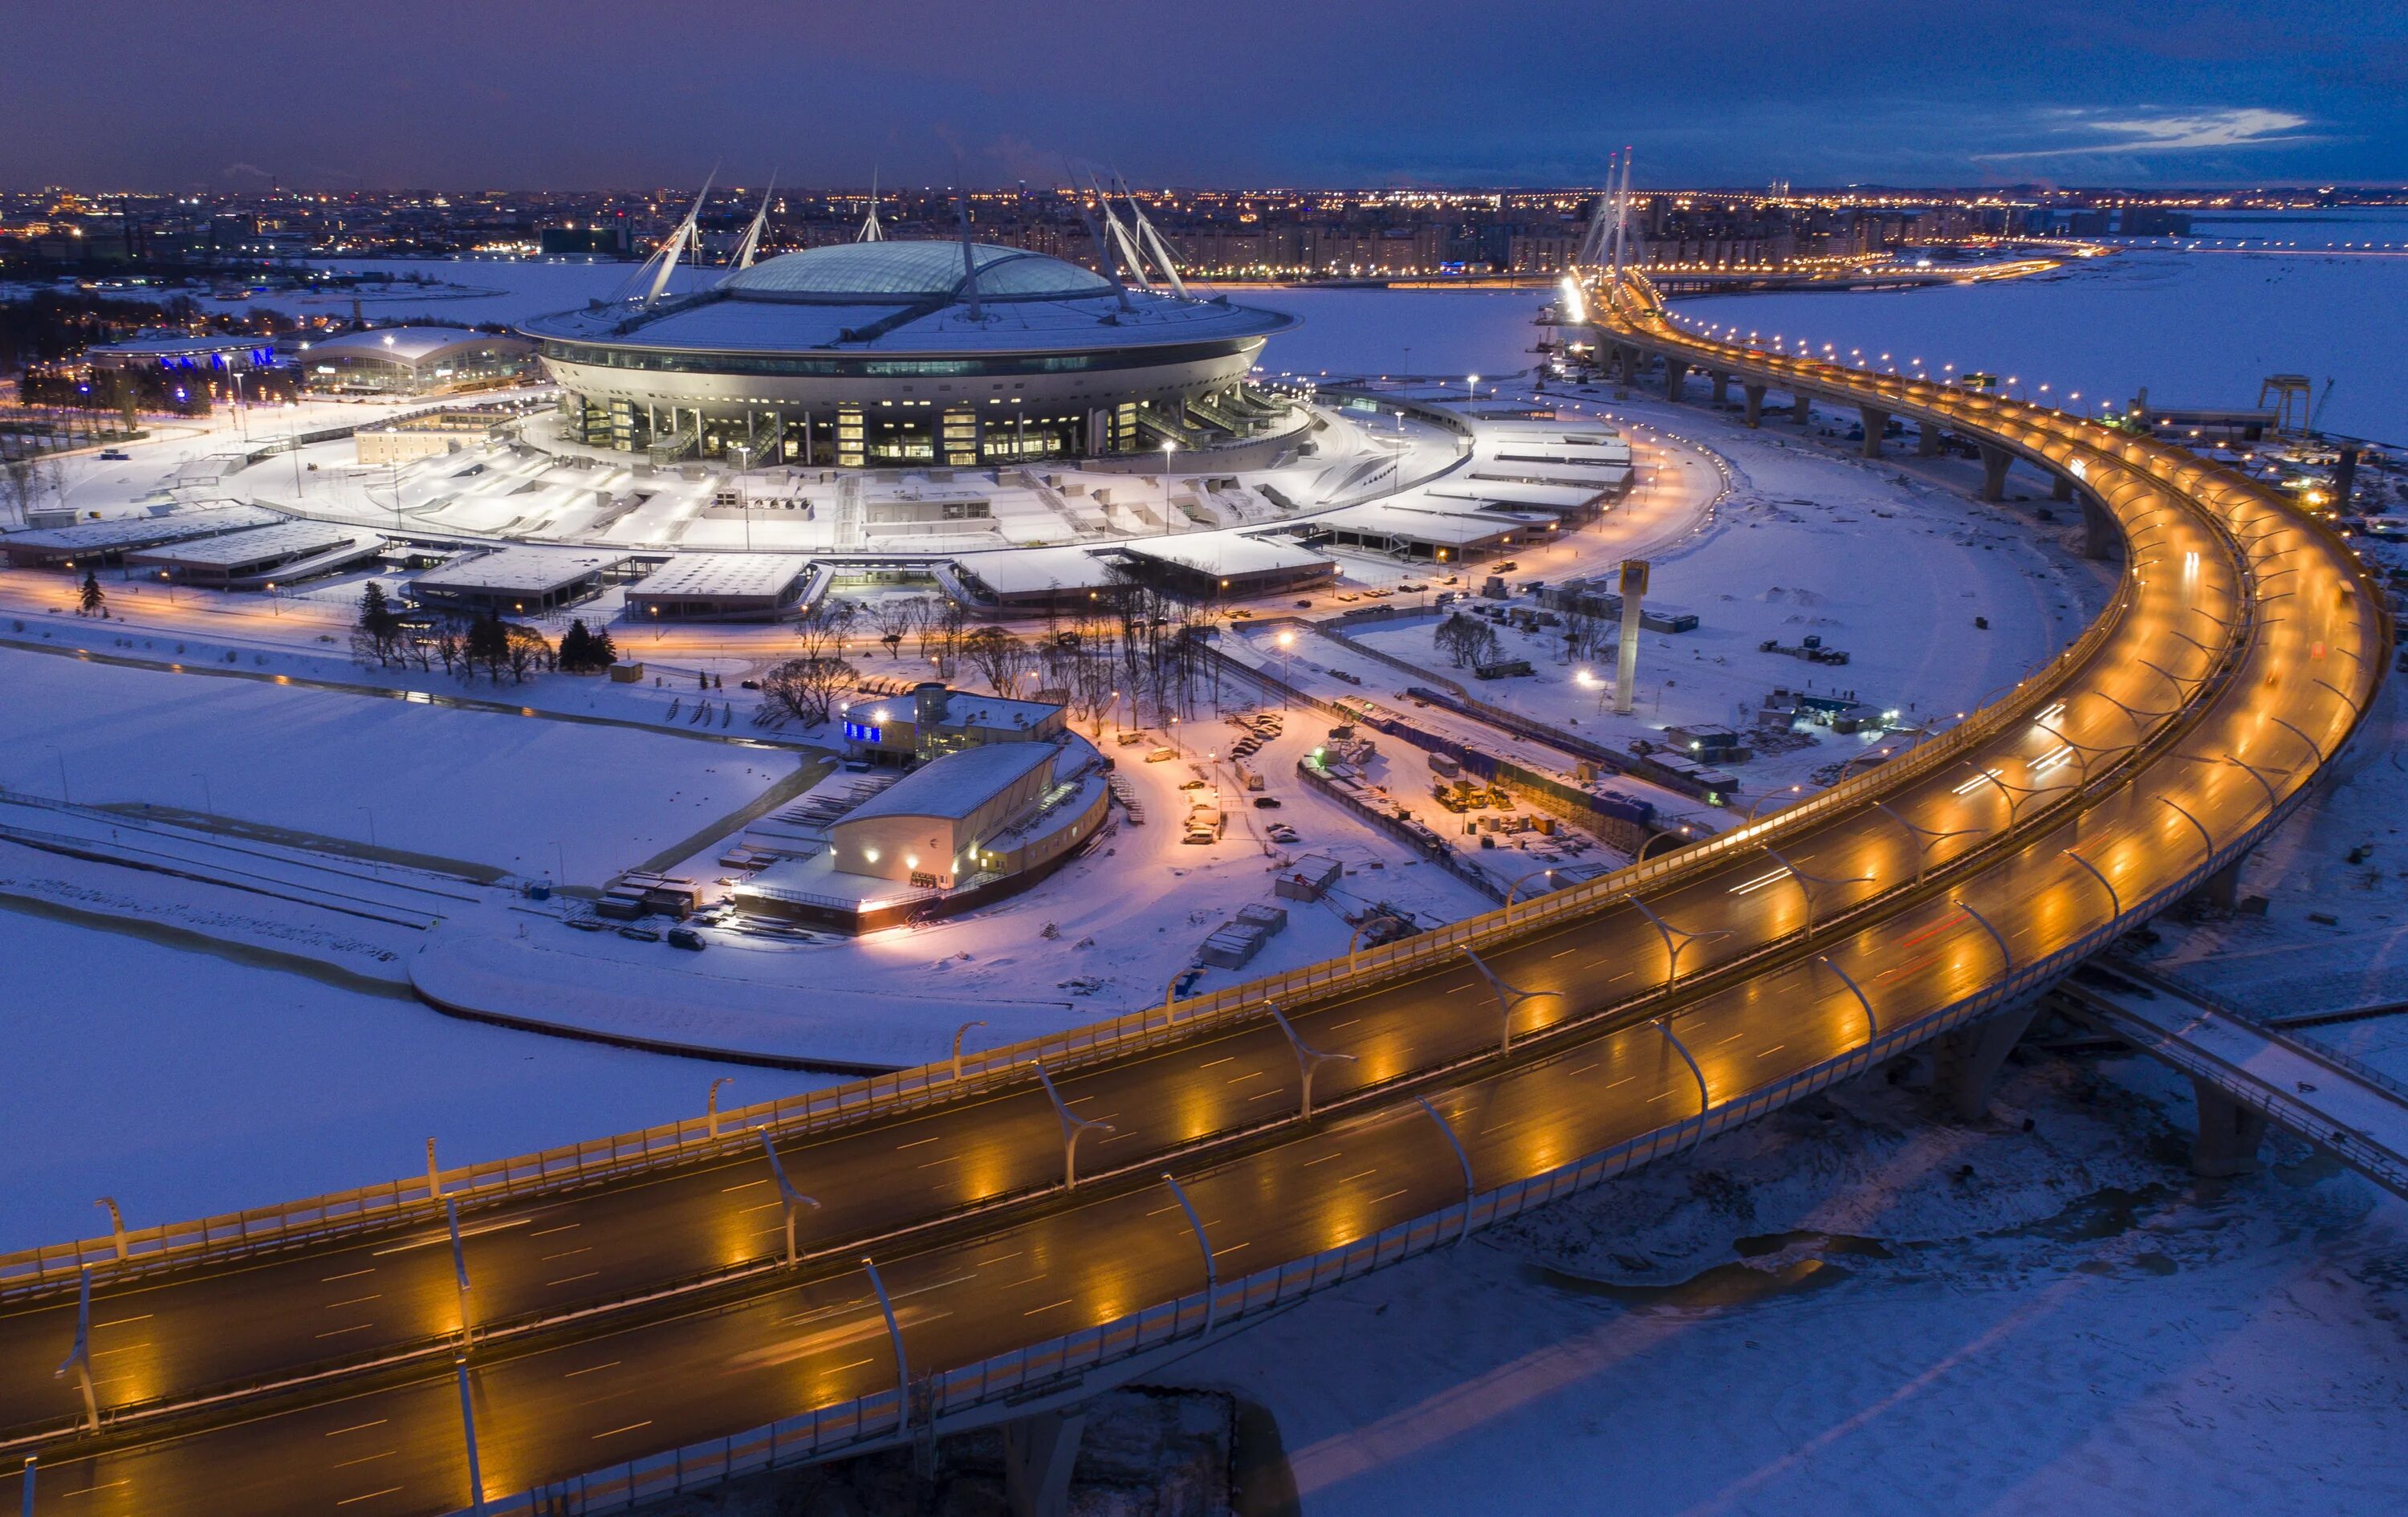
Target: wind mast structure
[870,230]
[752,243]
[664,262]
[1123,245]
[1153,240]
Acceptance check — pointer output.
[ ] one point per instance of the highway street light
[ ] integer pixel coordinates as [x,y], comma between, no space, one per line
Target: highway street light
[459,1267]
[711,1103]
[2004,952]
[1203,1242]
[1923,837]
[1509,1000]
[468,1427]
[788,1196]
[115,1224]
[1806,882]
[2114,901]
[895,1334]
[1871,1025]
[1460,1157]
[1705,1101]
[78,1358]
[1668,933]
[1073,1128]
[1309,1060]
[958,1033]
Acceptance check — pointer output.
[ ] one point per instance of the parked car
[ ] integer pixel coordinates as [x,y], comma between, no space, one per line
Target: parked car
[1162,755]
[641,935]
[1266,803]
[687,937]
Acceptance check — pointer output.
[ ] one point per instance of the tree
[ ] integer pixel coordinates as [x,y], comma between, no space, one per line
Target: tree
[90,601]
[576,648]
[891,616]
[807,688]
[524,649]
[1001,657]
[487,646]
[600,650]
[1466,639]
[378,632]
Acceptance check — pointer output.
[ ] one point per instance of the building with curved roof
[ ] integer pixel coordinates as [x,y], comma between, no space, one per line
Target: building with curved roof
[413,360]
[957,354]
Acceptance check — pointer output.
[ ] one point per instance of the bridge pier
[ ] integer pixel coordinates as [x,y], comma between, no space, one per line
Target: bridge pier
[2229,1133]
[1875,424]
[2222,889]
[1675,371]
[1753,395]
[1039,1452]
[1927,440]
[1798,411]
[1722,389]
[1994,471]
[1969,1058]
[2100,538]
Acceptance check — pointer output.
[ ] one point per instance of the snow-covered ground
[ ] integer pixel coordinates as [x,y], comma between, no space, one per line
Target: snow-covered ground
[2196,322]
[186,1082]
[1859,1306]
[525,796]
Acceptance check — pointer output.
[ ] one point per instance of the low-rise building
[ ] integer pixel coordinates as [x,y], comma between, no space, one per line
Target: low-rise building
[931,719]
[415,360]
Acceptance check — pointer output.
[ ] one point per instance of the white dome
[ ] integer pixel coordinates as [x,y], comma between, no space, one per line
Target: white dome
[856,273]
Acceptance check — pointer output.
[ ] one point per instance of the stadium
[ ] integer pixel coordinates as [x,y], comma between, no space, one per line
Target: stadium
[891,353]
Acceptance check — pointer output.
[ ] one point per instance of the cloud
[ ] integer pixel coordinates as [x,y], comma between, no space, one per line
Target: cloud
[2193,131]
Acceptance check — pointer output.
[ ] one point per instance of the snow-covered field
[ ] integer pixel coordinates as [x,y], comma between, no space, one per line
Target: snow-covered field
[2196,323]
[523,795]
[185,1083]
[1857,1305]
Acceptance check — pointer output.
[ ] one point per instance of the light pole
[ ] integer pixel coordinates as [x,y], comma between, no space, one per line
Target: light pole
[208,806]
[1286,641]
[710,1103]
[959,1033]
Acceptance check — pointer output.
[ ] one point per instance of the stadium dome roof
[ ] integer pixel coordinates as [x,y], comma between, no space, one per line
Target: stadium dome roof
[856,273]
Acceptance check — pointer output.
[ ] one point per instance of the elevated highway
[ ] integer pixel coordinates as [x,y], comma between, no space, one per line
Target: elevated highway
[621,1318]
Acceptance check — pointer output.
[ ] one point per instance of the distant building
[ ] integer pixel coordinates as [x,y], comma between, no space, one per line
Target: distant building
[216,355]
[931,719]
[424,436]
[415,360]
[582,241]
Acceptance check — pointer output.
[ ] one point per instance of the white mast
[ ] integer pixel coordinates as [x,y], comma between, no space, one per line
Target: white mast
[870,230]
[752,243]
[674,248]
[1120,239]
[1154,242]
[1622,220]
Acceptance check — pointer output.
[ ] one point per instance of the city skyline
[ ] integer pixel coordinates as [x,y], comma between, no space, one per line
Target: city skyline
[448,95]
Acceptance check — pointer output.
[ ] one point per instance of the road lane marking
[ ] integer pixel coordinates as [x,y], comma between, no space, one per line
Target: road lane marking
[1033,1311]
[358,1327]
[1624,1080]
[923,1290]
[1774,1049]
[763,1206]
[1324,1159]
[574,1253]
[1231,1249]
[727,1190]
[562,1228]
[367,1459]
[103,1354]
[109,1486]
[1248,1075]
[328,1280]
[359,1427]
[950,1158]
[1359,1174]
[1224,1059]
[370,1497]
[1260,1096]
[591,1369]
[429,1240]
[629,1428]
[354,1301]
[1030,1280]
[119,1322]
[1000,1258]
[1390,1196]
[1341,1026]
[571,1279]
[1568,950]
[918,1142]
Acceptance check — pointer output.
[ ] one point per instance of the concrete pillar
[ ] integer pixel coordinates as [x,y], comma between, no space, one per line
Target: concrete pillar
[2229,1133]
[2061,487]
[2100,538]
[1797,411]
[1753,395]
[2222,889]
[1722,389]
[1994,471]
[1675,371]
[1927,440]
[1039,1452]
[1969,1058]
[1875,421]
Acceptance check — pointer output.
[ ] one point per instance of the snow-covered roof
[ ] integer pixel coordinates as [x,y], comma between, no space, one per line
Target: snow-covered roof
[955,784]
[726,574]
[1546,497]
[231,548]
[521,569]
[407,344]
[848,271]
[1423,522]
[140,531]
[1224,553]
[1019,571]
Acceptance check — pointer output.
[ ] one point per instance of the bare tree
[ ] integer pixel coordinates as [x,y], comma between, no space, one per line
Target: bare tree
[891,617]
[525,650]
[1466,639]
[807,688]
[1002,658]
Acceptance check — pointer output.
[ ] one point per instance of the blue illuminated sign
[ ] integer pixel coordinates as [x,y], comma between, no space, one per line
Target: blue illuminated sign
[858,732]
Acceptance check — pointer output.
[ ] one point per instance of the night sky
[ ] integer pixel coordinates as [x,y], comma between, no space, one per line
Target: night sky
[229,96]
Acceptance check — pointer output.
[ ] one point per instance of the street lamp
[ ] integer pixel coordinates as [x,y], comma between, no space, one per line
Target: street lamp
[1286,641]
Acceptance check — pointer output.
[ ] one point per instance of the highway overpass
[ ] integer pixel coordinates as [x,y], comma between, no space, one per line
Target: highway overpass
[621,1318]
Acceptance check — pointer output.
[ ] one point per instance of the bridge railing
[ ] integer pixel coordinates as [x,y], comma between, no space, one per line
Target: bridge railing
[693,1140]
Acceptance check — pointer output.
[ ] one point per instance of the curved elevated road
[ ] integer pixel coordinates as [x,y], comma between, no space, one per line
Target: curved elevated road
[647,1309]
